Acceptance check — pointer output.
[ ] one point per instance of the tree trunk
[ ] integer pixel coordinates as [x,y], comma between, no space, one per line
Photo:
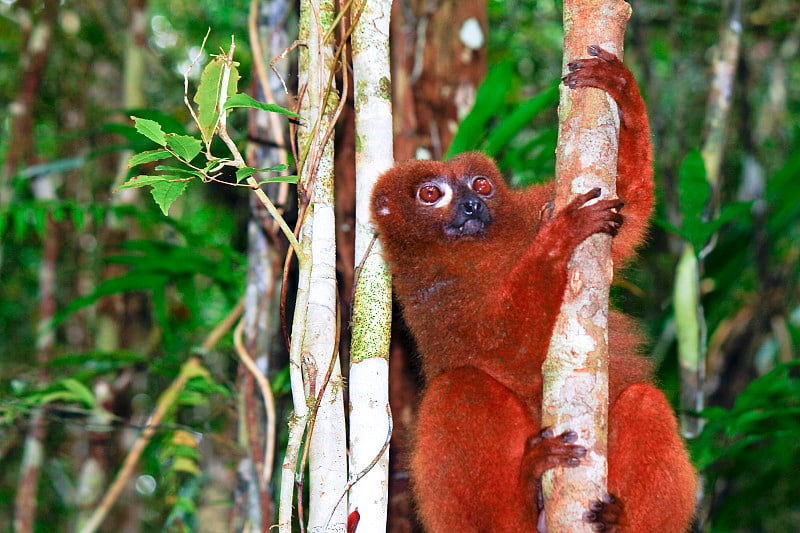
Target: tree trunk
[575,392]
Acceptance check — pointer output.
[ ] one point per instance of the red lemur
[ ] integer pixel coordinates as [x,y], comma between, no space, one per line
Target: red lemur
[480,272]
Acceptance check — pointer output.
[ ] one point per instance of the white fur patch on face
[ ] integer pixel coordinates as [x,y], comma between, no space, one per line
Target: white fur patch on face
[447,194]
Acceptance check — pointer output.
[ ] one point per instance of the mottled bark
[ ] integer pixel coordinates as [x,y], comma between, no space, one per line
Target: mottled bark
[575,392]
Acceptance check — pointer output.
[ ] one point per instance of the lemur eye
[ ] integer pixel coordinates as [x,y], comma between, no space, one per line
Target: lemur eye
[482,185]
[429,193]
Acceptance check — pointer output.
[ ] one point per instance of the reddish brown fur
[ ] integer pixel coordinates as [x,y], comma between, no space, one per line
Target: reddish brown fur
[482,308]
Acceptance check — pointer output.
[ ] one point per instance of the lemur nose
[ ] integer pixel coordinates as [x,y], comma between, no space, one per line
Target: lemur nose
[471,206]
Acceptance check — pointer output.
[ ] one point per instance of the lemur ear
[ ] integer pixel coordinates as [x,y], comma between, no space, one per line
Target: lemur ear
[381,207]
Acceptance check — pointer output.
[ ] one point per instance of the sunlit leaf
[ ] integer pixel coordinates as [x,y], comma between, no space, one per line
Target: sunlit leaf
[82,393]
[186,465]
[208,93]
[150,129]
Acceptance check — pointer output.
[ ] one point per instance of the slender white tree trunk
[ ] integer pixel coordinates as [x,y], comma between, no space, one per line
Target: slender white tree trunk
[317,384]
[370,418]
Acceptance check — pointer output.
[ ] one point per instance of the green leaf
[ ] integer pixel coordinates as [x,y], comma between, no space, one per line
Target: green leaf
[20,216]
[519,119]
[124,283]
[82,393]
[147,179]
[727,213]
[177,170]
[150,129]
[51,397]
[148,157]
[246,172]
[279,179]
[4,218]
[489,102]
[245,100]
[184,146]
[186,465]
[694,192]
[78,218]
[39,213]
[208,92]
[669,226]
[166,192]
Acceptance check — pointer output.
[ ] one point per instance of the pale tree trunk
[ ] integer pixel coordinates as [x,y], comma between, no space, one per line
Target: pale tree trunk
[370,422]
[575,393]
[435,76]
[689,315]
[317,389]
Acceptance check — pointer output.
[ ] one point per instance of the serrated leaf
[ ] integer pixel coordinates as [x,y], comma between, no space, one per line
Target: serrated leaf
[184,146]
[245,100]
[208,92]
[246,172]
[145,179]
[150,129]
[166,192]
[148,157]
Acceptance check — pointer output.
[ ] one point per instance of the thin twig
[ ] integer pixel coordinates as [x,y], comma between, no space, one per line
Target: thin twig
[268,398]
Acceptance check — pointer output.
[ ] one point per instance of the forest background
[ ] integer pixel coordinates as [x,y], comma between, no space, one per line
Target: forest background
[135,293]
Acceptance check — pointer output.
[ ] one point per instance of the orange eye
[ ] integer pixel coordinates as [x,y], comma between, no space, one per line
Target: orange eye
[482,186]
[429,193]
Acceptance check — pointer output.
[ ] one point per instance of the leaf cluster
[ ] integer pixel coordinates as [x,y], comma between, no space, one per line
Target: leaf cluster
[216,95]
[755,444]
